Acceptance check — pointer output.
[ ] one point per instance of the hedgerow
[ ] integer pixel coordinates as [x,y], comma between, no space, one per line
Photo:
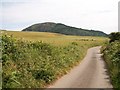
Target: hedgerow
[111,54]
[34,64]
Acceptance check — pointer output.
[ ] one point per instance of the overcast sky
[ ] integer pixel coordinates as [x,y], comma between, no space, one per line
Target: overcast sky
[88,14]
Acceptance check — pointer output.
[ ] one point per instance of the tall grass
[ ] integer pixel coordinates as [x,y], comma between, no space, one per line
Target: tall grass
[29,64]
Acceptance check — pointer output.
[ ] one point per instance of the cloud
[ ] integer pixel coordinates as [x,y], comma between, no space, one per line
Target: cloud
[19,1]
[91,14]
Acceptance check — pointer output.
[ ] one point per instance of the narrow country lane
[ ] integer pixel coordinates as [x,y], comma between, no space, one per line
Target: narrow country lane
[90,73]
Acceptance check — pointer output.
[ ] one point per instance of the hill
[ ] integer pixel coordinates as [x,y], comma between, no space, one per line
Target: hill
[63,29]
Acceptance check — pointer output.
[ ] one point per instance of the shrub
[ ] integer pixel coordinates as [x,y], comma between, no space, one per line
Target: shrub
[114,36]
[34,64]
[111,55]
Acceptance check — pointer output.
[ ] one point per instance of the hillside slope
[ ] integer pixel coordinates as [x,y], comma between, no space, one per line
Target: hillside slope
[63,29]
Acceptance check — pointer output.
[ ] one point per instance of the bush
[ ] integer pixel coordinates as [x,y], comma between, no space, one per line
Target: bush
[111,55]
[34,64]
[114,36]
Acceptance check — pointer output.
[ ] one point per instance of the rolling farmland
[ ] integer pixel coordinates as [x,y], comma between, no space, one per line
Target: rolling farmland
[34,60]
[56,39]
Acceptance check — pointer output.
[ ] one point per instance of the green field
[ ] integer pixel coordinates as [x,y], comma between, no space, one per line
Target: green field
[37,59]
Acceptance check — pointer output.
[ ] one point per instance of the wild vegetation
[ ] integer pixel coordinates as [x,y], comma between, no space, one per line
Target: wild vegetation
[63,29]
[0,62]
[35,63]
[112,58]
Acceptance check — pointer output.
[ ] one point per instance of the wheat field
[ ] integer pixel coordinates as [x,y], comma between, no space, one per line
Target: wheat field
[56,39]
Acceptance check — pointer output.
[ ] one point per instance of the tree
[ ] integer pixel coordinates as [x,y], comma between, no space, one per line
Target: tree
[114,36]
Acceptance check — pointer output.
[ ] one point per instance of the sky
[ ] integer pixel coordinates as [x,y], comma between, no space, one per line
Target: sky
[100,15]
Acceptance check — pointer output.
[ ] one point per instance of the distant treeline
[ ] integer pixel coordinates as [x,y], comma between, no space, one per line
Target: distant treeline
[63,29]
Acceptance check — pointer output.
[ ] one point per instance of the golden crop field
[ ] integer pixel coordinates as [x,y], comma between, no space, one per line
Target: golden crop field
[54,38]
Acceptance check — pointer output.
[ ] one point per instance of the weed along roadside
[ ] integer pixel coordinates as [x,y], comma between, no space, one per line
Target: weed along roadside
[111,54]
[36,64]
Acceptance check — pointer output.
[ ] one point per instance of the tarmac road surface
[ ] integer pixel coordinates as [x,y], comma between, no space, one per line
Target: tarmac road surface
[90,73]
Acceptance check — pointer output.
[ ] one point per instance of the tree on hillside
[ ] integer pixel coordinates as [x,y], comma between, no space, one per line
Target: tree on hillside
[114,36]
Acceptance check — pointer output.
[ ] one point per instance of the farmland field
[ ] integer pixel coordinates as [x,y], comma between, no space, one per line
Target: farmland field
[56,39]
[36,59]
